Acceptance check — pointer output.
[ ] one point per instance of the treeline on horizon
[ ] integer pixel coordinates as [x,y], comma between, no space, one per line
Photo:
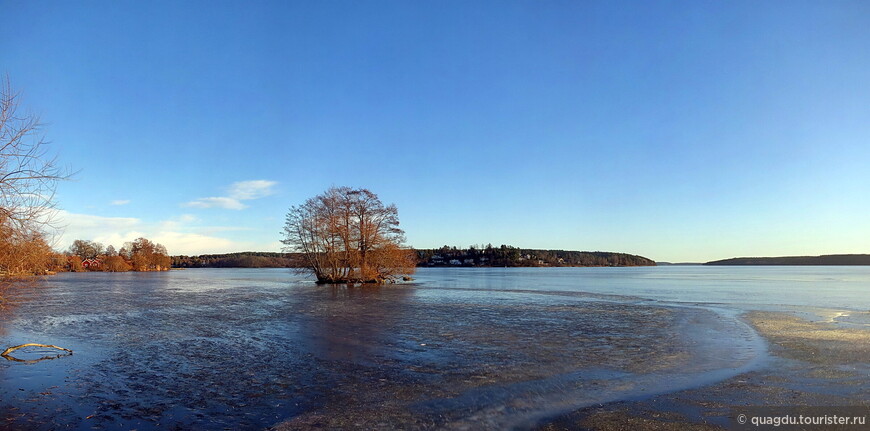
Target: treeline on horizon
[245,259]
[825,260]
[506,255]
[486,256]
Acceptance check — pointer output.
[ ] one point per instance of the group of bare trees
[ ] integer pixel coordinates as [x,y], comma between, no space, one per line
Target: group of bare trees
[348,236]
[138,255]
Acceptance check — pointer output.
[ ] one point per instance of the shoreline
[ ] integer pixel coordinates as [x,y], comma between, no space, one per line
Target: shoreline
[813,363]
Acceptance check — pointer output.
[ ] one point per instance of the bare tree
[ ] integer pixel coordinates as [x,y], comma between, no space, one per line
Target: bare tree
[28,178]
[85,249]
[348,236]
[28,175]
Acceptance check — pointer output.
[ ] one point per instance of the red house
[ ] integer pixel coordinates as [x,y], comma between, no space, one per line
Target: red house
[91,263]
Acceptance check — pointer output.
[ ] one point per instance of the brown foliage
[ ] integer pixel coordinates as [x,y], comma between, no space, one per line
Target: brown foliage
[116,264]
[22,253]
[75,264]
[348,236]
[138,255]
[145,255]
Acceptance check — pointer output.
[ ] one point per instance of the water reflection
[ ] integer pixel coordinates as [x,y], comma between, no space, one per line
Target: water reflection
[9,357]
[352,324]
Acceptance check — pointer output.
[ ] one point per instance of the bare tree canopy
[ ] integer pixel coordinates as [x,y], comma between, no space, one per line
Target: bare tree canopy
[28,177]
[348,236]
[86,249]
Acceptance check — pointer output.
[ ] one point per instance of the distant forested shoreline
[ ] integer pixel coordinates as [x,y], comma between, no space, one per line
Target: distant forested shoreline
[510,256]
[825,260]
[246,259]
[484,256]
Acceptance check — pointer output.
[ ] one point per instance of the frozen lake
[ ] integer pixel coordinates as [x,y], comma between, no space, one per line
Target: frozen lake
[484,347]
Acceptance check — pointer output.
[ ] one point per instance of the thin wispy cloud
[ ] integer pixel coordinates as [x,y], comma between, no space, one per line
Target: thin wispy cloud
[216,202]
[179,222]
[255,189]
[237,192]
[120,202]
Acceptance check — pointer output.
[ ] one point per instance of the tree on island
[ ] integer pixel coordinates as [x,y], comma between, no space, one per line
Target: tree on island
[348,236]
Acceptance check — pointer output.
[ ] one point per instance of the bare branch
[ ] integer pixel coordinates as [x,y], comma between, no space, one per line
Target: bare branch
[28,181]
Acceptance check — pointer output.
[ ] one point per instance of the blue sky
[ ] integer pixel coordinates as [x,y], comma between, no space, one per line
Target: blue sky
[681,131]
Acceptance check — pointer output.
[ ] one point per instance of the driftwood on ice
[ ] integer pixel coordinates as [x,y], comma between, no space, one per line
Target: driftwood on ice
[6,353]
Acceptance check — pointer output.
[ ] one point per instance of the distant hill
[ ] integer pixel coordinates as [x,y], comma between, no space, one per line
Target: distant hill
[832,259]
